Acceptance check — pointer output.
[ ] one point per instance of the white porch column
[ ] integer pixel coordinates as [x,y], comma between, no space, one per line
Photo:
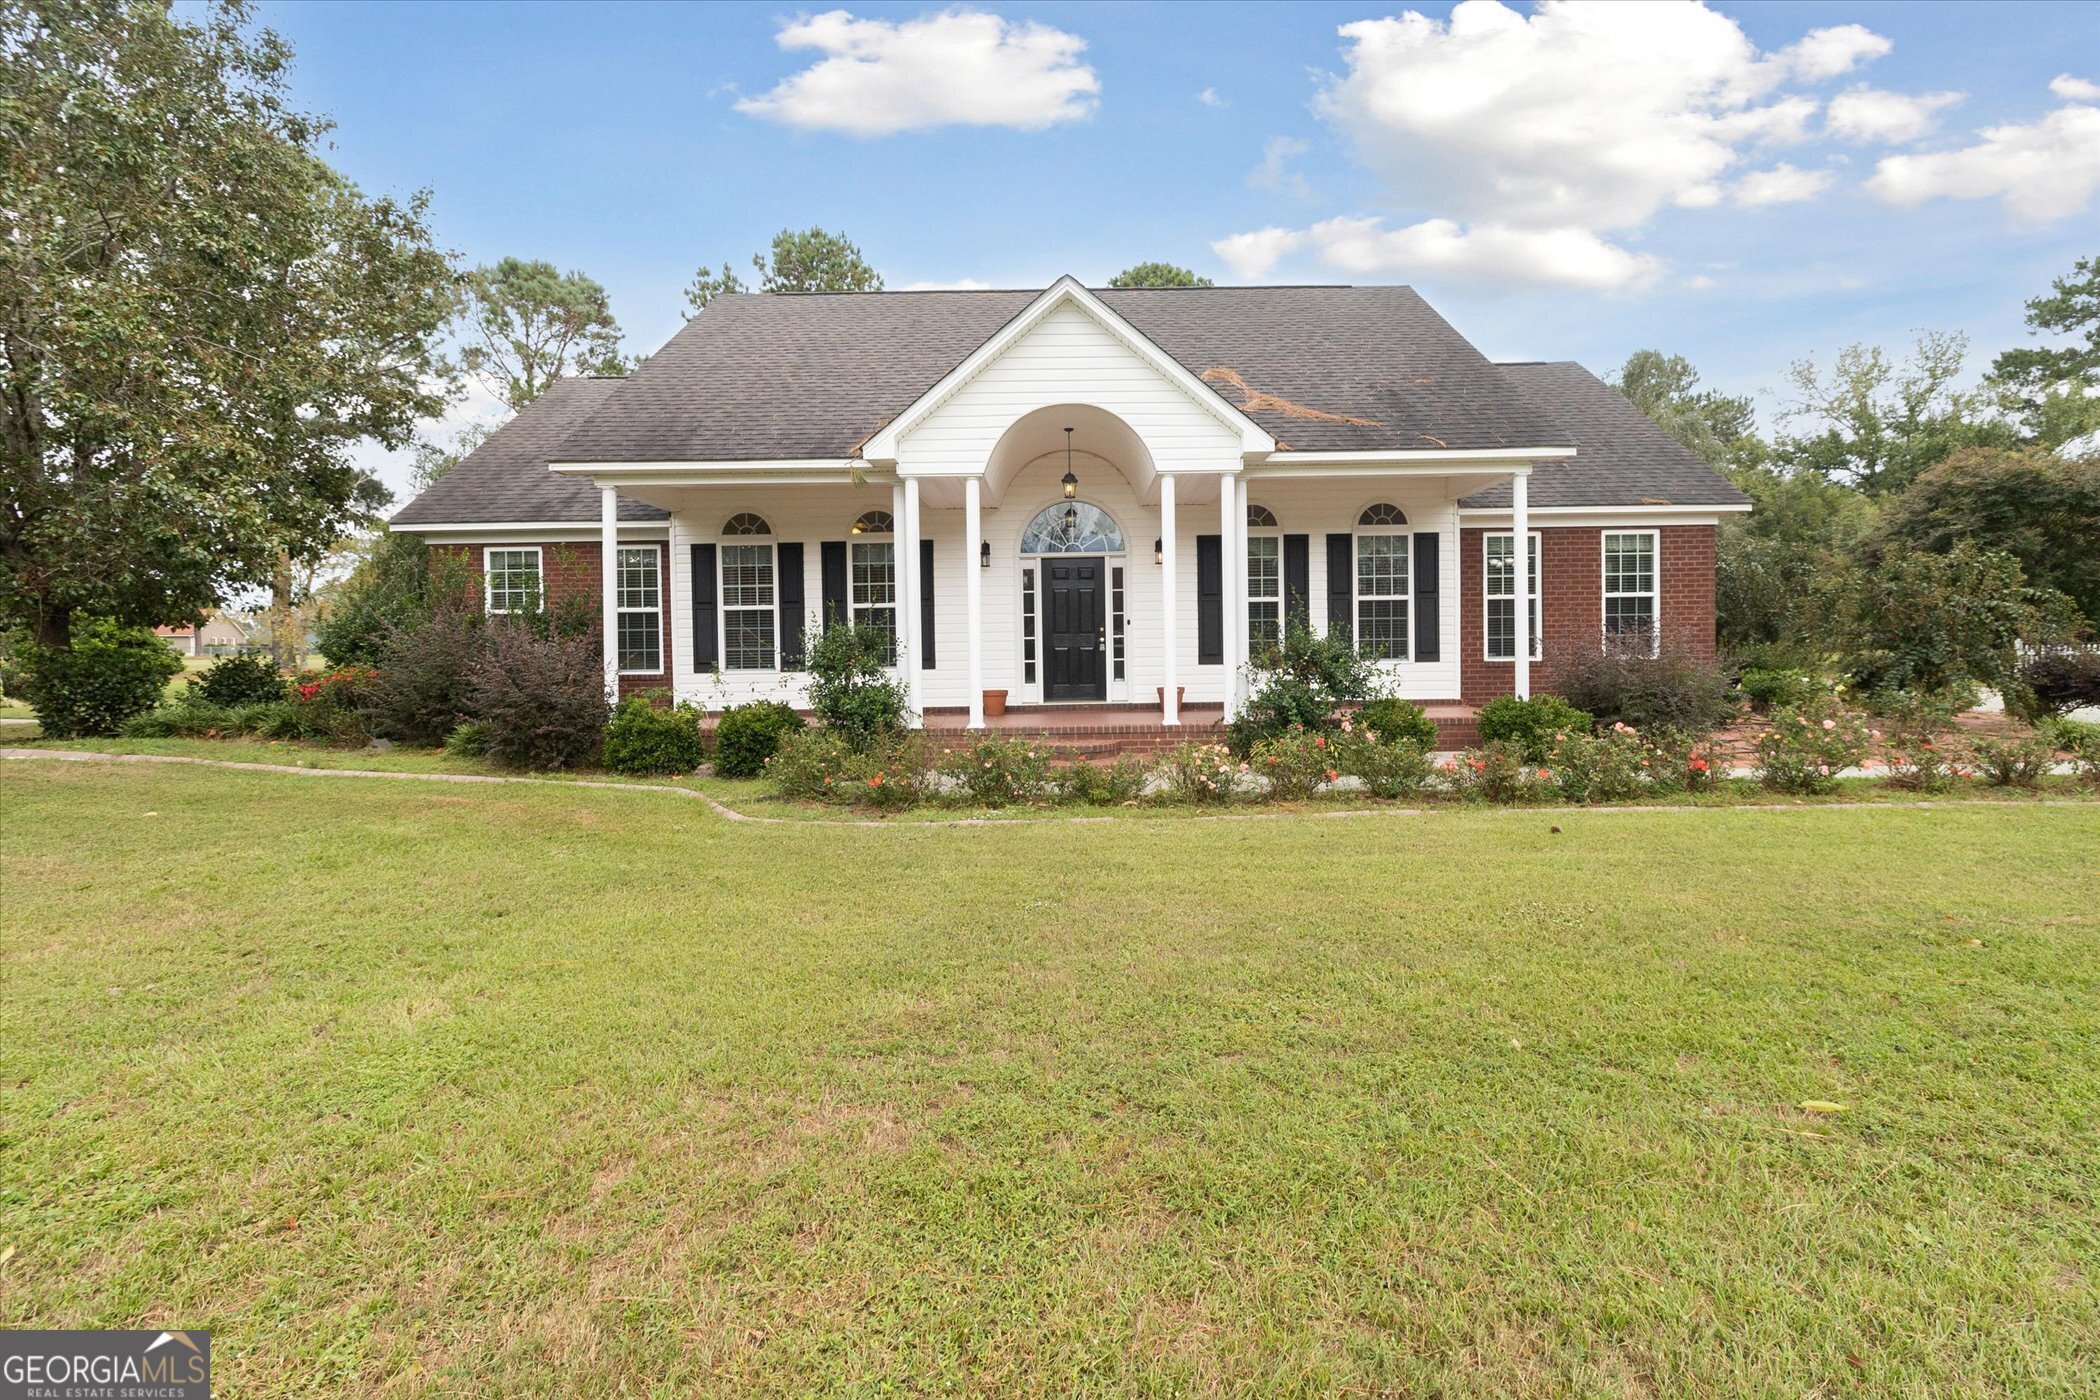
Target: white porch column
[908,572]
[973,532]
[1232,560]
[1170,702]
[1520,549]
[609,573]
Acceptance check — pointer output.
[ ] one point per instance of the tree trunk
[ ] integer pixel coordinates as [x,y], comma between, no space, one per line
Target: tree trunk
[287,634]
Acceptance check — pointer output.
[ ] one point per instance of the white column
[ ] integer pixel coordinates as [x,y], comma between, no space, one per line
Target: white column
[609,569]
[1170,703]
[1520,527]
[1231,565]
[973,532]
[908,572]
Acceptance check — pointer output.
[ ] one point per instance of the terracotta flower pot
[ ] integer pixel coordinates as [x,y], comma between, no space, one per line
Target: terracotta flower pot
[994,703]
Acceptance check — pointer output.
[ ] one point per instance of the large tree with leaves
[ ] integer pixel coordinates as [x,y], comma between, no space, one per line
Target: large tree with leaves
[1876,423]
[1721,428]
[2051,388]
[198,317]
[524,324]
[809,261]
[1157,274]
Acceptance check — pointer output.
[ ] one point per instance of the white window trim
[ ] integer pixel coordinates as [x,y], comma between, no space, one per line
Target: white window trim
[1406,533]
[1538,594]
[722,608]
[488,587]
[656,552]
[1264,532]
[1654,593]
[896,604]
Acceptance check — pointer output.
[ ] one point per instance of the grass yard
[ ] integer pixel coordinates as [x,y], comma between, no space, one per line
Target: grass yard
[551,1090]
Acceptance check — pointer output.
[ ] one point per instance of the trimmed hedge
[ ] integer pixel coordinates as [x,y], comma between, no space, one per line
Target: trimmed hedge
[108,675]
[644,741]
[748,735]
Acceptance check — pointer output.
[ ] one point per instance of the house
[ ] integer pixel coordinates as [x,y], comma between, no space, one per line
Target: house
[221,635]
[182,639]
[1101,501]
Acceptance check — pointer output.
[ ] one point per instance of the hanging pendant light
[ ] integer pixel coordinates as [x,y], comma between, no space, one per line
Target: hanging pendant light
[1071,482]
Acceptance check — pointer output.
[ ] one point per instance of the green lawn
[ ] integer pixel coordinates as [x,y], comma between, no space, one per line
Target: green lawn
[551,1090]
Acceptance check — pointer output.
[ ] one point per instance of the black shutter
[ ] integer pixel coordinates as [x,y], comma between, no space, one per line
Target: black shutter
[1341,585]
[1210,600]
[1426,572]
[1297,579]
[838,608]
[790,594]
[926,605]
[707,649]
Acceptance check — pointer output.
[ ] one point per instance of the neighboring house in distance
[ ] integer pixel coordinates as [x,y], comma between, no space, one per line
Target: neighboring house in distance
[182,639]
[1089,498]
[221,635]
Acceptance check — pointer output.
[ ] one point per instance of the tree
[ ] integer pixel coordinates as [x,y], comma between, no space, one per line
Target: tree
[525,325]
[1883,423]
[2029,504]
[198,317]
[1157,274]
[1720,428]
[2051,389]
[1923,623]
[809,261]
[1772,565]
[433,458]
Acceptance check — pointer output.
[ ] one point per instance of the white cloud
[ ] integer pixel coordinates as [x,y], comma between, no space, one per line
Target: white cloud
[1274,173]
[1251,255]
[961,284]
[1825,53]
[1871,114]
[1486,254]
[1782,184]
[2074,89]
[2042,170]
[954,68]
[1209,98]
[1701,282]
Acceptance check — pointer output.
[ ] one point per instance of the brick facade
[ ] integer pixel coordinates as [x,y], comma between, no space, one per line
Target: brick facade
[576,570]
[1571,598]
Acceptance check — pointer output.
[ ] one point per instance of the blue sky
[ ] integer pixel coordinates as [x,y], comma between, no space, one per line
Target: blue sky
[1742,184]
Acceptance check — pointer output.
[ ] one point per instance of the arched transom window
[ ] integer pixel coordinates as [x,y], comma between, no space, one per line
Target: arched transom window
[747,524]
[875,522]
[1382,581]
[1072,527]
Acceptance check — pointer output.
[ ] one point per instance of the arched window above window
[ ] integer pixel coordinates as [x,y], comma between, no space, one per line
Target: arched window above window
[1384,513]
[1260,517]
[1072,527]
[875,522]
[746,523]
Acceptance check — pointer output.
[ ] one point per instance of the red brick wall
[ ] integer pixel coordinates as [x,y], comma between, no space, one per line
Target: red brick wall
[574,570]
[1571,598]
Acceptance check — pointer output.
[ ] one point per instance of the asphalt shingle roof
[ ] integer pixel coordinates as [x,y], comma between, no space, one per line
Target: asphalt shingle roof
[1622,456]
[1320,368]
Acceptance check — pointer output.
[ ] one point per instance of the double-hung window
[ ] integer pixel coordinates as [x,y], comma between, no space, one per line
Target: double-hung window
[639,600]
[512,577]
[1630,591]
[1264,581]
[1381,582]
[748,603]
[1501,576]
[873,587]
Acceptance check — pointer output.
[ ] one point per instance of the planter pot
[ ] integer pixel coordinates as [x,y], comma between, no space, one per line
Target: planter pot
[994,703]
[1181,695]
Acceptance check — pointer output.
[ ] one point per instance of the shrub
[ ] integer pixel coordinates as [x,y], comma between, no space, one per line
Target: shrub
[190,716]
[1612,766]
[1396,768]
[994,771]
[1296,764]
[1299,681]
[1102,784]
[1529,724]
[1922,754]
[240,680]
[1675,689]
[849,688]
[331,705]
[109,674]
[747,735]
[1497,773]
[644,741]
[1767,688]
[289,720]
[1808,745]
[2013,762]
[1397,722]
[384,594]
[541,696]
[1200,773]
[822,765]
[2059,681]
[1683,763]
[2081,741]
[422,691]
[468,740]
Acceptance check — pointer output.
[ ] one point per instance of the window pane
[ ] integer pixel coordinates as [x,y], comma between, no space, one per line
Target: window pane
[747,575]
[1629,563]
[639,642]
[1381,566]
[1264,626]
[638,578]
[1501,629]
[1381,627]
[747,640]
[513,579]
[1264,568]
[874,575]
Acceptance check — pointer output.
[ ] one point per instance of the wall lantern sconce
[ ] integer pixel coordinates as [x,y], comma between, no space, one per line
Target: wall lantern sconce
[1071,482]
[984,554]
[1159,551]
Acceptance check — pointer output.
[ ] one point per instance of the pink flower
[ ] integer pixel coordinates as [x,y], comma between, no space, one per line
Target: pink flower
[1332,775]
